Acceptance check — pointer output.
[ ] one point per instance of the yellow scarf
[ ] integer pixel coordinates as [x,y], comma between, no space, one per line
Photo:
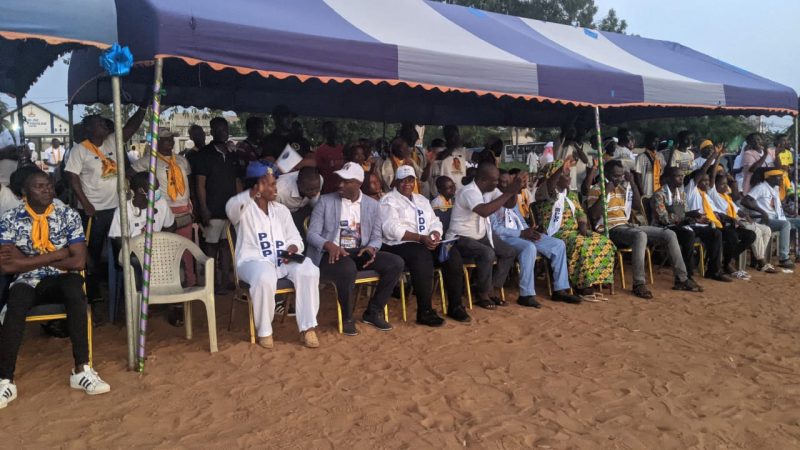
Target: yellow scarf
[656,171]
[731,212]
[109,166]
[40,231]
[524,204]
[445,202]
[397,162]
[709,211]
[175,183]
[785,186]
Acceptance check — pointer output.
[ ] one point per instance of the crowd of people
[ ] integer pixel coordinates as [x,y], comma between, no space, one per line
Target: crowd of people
[388,207]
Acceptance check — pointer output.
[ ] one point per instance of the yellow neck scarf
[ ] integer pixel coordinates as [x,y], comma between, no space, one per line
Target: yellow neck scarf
[445,202]
[709,211]
[40,231]
[731,212]
[175,183]
[524,204]
[656,170]
[109,166]
[785,186]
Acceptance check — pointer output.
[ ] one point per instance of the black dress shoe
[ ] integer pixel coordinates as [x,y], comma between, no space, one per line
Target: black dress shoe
[459,313]
[566,298]
[349,328]
[529,300]
[429,318]
[376,320]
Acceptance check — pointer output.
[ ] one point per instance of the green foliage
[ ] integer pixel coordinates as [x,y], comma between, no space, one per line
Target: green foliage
[728,129]
[613,23]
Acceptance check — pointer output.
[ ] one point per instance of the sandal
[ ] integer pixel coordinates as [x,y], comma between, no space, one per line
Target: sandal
[641,291]
[498,301]
[486,304]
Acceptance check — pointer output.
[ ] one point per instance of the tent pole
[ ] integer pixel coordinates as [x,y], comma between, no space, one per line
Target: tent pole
[123,216]
[600,167]
[20,122]
[152,141]
[796,152]
[71,118]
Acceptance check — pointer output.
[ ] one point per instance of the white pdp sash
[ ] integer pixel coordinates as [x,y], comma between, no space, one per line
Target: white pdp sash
[557,217]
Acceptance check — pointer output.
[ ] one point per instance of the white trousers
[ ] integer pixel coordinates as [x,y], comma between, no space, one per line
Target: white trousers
[763,234]
[262,276]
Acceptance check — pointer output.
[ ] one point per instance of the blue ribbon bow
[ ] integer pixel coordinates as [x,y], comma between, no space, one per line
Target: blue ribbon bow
[117,60]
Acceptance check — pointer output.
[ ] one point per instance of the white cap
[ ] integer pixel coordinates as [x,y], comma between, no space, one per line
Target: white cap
[351,171]
[404,172]
[548,145]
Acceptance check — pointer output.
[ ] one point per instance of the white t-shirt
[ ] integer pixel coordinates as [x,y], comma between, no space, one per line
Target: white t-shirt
[644,167]
[768,199]
[137,219]
[399,214]
[681,160]
[143,164]
[101,192]
[289,195]
[623,153]
[464,221]
[261,236]
[50,155]
[349,236]
[455,166]
[532,160]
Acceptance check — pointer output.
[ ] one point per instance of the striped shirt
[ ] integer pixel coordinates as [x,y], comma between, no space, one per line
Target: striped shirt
[616,205]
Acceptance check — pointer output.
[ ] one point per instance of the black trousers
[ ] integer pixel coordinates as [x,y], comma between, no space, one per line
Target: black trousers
[735,241]
[712,241]
[420,262]
[343,274]
[484,255]
[66,289]
[98,233]
[686,242]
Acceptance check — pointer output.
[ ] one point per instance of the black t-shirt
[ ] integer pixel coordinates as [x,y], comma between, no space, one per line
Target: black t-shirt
[221,171]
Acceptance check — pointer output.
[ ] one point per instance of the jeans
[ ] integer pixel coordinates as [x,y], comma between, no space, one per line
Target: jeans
[785,228]
[343,274]
[66,289]
[636,237]
[551,248]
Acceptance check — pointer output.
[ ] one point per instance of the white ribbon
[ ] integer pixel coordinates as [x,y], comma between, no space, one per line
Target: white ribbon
[557,217]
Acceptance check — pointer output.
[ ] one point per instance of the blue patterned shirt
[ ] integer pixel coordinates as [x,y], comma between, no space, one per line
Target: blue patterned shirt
[15,228]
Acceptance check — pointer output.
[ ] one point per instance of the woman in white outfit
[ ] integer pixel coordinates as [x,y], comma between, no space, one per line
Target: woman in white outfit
[266,237]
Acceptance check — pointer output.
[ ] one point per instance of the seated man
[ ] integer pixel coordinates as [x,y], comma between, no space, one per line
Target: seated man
[447,193]
[413,232]
[299,191]
[470,224]
[163,220]
[508,224]
[623,195]
[43,243]
[764,198]
[266,238]
[344,237]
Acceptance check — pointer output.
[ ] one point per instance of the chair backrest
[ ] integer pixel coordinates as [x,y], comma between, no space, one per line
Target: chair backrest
[230,232]
[168,250]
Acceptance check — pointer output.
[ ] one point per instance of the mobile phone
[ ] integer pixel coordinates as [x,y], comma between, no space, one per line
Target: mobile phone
[294,257]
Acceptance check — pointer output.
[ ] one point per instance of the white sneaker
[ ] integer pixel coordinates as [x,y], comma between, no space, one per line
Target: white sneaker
[89,381]
[8,392]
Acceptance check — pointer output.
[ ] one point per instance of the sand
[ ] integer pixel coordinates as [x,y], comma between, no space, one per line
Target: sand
[716,370]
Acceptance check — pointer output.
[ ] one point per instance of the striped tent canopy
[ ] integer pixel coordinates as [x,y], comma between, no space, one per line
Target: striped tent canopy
[33,34]
[419,60]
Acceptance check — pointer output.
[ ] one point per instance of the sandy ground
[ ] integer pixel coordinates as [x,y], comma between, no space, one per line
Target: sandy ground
[716,370]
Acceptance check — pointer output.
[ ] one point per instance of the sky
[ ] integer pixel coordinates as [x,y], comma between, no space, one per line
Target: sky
[759,36]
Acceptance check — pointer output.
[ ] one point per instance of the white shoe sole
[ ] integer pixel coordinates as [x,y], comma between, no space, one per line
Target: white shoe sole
[95,392]
[13,397]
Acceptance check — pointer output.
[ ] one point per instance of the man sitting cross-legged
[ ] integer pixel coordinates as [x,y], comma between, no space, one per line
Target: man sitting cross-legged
[43,243]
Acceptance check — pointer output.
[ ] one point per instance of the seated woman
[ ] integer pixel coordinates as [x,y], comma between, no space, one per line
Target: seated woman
[412,231]
[590,254]
[266,238]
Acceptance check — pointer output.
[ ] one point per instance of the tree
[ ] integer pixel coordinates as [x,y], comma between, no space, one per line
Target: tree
[612,23]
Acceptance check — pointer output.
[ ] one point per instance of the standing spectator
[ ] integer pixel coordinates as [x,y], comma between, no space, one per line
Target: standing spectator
[275,142]
[453,159]
[649,165]
[50,157]
[625,145]
[330,157]
[216,170]
[9,154]
[250,148]
[92,172]
[681,155]
[400,156]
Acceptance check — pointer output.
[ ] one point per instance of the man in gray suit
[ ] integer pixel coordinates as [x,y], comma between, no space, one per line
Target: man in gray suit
[344,236]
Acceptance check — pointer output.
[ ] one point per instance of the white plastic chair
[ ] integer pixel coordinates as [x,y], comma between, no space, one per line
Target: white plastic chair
[165,278]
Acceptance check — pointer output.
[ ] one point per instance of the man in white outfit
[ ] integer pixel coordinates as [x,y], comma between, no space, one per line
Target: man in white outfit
[267,248]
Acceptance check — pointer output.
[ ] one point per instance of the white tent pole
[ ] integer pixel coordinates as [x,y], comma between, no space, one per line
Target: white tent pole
[601,168]
[130,323]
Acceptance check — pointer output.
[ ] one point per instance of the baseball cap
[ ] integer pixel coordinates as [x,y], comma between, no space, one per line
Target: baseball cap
[404,172]
[351,171]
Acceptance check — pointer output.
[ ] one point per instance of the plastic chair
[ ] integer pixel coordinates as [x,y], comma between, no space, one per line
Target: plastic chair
[165,278]
[242,291]
[45,313]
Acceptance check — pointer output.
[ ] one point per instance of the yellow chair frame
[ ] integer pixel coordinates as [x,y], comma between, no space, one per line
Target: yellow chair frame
[649,262]
[437,273]
[467,268]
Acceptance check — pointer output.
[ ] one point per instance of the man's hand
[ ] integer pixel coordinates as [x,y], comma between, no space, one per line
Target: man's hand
[628,176]
[290,250]
[88,209]
[205,215]
[530,234]
[334,252]
[703,220]
[583,228]
[372,252]
[428,242]
[515,185]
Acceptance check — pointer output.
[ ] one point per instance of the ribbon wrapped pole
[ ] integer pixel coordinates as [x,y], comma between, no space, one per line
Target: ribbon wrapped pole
[152,141]
[117,61]
[602,171]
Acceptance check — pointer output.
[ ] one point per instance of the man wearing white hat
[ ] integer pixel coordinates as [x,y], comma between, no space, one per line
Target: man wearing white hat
[413,232]
[344,237]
